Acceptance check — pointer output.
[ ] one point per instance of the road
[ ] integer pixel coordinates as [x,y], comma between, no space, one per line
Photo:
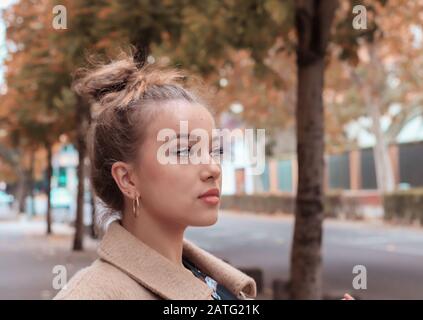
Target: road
[393,256]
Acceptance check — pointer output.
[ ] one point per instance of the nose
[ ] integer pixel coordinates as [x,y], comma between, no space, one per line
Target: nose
[211,170]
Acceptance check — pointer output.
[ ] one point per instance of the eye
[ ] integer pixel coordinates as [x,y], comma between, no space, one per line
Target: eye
[217,152]
[183,152]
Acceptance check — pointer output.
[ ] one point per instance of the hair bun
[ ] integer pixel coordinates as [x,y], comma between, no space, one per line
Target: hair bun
[96,83]
[123,80]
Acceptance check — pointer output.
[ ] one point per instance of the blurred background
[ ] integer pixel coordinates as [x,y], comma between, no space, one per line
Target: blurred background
[336,85]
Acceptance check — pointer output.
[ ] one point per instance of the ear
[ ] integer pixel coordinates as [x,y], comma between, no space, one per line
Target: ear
[124,178]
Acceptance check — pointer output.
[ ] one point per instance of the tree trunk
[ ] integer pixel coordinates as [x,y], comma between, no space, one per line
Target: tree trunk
[82,119]
[371,96]
[49,175]
[93,214]
[19,204]
[383,164]
[22,185]
[313,22]
[31,181]
[93,228]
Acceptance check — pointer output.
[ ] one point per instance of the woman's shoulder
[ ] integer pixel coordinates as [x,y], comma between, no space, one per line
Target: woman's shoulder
[103,281]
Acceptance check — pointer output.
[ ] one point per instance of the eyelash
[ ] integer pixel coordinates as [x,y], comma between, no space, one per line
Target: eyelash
[178,152]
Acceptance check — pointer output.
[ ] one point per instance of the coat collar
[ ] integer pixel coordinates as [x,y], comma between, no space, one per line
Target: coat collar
[163,277]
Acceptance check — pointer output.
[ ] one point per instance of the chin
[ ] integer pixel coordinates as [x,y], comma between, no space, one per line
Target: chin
[207,219]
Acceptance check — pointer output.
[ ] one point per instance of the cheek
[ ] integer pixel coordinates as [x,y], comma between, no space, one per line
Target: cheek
[169,175]
[171,182]
[173,177]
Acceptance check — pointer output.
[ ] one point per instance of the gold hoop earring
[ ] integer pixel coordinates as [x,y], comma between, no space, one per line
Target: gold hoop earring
[135,206]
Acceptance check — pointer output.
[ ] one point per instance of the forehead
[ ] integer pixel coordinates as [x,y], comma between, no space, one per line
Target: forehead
[172,113]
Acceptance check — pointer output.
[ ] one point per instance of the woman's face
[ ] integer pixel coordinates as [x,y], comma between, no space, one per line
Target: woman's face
[171,192]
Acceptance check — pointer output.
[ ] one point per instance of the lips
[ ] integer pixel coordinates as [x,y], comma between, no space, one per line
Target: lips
[211,196]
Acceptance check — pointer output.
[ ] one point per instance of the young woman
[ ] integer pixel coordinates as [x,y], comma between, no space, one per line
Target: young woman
[143,253]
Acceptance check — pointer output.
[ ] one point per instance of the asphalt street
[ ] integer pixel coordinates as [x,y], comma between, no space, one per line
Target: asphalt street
[392,256]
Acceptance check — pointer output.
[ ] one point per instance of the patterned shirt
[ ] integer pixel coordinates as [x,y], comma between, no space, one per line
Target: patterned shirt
[220,292]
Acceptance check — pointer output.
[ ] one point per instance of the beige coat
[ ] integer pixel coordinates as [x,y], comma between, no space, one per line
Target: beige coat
[129,269]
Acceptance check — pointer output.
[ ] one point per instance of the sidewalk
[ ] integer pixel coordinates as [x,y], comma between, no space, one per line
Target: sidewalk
[28,257]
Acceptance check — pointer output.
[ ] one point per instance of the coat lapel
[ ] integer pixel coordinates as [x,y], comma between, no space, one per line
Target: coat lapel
[233,279]
[164,278]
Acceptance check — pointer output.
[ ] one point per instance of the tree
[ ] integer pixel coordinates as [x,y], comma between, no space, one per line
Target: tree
[380,72]
[34,74]
[73,44]
[313,25]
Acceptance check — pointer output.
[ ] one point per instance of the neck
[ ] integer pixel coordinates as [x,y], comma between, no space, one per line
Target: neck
[158,235]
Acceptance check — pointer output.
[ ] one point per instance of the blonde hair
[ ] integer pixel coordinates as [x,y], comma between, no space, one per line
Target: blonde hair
[125,93]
